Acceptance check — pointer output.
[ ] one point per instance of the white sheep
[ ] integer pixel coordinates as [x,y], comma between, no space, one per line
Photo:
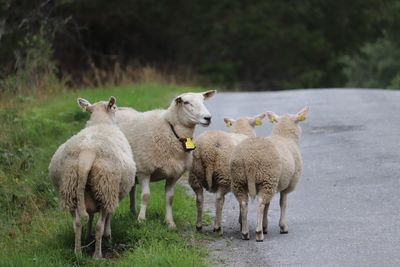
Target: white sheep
[161,142]
[210,167]
[93,171]
[264,166]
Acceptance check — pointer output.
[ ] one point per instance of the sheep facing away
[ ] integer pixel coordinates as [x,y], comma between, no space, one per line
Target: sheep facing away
[161,142]
[93,170]
[210,166]
[264,166]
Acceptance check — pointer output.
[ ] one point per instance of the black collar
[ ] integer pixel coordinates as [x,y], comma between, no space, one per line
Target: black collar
[184,141]
[173,130]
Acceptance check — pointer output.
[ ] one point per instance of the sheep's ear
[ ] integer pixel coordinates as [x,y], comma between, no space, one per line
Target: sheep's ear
[178,100]
[228,122]
[111,102]
[258,120]
[273,118]
[209,94]
[302,114]
[85,105]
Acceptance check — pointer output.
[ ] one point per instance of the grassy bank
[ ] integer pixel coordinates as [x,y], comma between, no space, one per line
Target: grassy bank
[35,232]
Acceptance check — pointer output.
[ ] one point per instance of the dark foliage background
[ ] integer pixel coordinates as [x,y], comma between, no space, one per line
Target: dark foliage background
[253,45]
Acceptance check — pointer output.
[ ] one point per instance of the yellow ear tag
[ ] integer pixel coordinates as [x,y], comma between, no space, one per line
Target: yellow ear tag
[272,119]
[84,108]
[189,145]
[301,117]
[258,121]
[228,124]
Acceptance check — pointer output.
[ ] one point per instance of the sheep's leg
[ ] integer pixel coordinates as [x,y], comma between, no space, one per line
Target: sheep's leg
[260,220]
[219,204]
[107,231]
[132,199]
[89,230]
[282,220]
[169,196]
[78,231]
[199,204]
[145,185]
[265,220]
[240,217]
[243,214]
[99,233]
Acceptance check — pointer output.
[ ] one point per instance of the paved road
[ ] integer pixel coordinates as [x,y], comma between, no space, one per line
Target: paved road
[346,209]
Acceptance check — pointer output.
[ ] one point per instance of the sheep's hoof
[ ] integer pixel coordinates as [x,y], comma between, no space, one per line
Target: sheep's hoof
[133,212]
[107,241]
[284,232]
[245,236]
[284,229]
[265,230]
[171,226]
[259,236]
[199,228]
[141,219]
[218,231]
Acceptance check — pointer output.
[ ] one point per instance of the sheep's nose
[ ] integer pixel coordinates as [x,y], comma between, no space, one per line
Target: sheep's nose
[208,119]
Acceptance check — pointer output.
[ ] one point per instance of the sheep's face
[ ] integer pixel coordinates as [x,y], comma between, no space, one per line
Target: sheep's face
[101,112]
[245,125]
[288,124]
[192,110]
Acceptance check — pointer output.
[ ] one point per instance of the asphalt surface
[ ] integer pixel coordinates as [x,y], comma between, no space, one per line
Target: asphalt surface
[345,210]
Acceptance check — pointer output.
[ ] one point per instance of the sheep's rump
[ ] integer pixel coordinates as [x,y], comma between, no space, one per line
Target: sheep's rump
[256,160]
[211,156]
[102,184]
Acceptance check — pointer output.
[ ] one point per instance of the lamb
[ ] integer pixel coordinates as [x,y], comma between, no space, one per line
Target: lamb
[93,171]
[210,167]
[161,142]
[264,166]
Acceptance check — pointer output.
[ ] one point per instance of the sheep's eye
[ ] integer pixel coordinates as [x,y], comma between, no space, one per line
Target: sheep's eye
[186,102]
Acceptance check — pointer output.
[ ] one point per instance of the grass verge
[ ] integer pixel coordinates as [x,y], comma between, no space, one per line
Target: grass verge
[35,232]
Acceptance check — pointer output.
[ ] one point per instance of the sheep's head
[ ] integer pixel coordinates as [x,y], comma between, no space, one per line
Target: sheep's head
[191,108]
[100,112]
[245,125]
[288,125]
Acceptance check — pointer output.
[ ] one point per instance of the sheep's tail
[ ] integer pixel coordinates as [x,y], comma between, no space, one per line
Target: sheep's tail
[251,184]
[85,162]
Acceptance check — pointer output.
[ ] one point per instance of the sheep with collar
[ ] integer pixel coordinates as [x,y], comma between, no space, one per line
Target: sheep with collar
[161,142]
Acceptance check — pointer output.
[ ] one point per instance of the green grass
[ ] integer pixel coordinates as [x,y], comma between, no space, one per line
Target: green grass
[35,232]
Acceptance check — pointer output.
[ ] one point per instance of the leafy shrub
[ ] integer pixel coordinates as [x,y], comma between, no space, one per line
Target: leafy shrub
[376,66]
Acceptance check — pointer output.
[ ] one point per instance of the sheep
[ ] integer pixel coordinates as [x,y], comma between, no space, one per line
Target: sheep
[264,166]
[210,166]
[161,142]
[93,171]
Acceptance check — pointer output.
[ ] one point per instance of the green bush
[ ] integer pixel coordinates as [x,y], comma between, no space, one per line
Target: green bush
[376,66]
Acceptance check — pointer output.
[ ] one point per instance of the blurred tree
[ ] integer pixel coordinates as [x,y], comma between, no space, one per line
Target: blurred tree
[261,44]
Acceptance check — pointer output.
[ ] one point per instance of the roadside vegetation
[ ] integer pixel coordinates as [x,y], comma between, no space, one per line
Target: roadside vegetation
[35,232]
[258,45]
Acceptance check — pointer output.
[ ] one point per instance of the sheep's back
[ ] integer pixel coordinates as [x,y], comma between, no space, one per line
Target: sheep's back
[153,144]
